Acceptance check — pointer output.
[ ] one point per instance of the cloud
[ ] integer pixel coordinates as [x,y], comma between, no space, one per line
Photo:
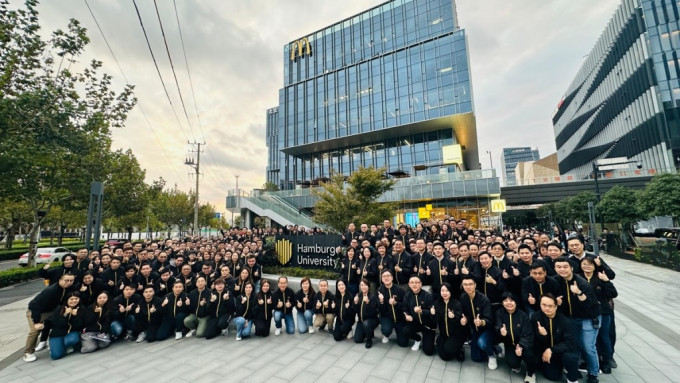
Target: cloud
[523,54]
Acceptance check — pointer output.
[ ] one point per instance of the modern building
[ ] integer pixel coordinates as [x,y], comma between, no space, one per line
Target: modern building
[625,99]
[511,157]
[544,170]
[389,87]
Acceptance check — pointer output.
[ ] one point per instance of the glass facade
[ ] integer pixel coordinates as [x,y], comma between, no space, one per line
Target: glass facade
[386,69]
[511,157]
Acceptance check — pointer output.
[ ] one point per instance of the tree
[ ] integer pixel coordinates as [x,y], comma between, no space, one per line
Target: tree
[55,124]
[126,196]
[173,208]
[270,186]
[620,204]
[576,207]
[355,201]
[13,215]
[661,197]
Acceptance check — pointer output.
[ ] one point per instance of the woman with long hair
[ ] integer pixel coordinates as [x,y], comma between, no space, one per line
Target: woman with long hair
[67,322]
[305,303]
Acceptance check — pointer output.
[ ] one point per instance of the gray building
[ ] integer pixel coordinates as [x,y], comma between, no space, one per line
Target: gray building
[625,98]
[511,157]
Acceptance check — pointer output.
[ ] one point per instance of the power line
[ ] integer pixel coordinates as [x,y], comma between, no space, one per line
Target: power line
[155,63]
[172,66]
[120,68]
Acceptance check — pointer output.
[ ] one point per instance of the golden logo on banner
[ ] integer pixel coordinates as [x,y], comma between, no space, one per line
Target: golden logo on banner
[300,46]
[498,206]
[284,251]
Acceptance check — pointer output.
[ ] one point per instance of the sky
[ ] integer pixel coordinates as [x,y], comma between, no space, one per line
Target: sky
[523,56]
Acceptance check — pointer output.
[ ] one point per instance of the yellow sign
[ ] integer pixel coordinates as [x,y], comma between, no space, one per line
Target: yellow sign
[428,206]
[423,213]
[284,251]
[300,46]
[453,154]
[498,206]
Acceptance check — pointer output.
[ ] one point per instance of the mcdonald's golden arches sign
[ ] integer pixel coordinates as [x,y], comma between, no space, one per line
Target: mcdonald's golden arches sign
[299,48]
[284,250]
[498,206]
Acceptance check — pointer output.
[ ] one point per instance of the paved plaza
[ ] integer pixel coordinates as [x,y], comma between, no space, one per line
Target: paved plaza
[647,350]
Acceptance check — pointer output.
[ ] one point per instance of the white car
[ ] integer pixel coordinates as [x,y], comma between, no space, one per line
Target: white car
[45,255]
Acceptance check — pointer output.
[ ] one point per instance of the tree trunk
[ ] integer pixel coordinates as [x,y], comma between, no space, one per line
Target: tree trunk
[62,227]
[33,245]
[129,231]
[52,236]
[11,234]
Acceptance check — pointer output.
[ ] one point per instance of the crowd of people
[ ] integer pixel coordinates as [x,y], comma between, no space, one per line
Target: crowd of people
[530,297]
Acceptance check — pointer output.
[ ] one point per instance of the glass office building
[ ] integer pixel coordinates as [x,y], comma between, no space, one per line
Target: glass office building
[389,87]
[625,99]
[511,157]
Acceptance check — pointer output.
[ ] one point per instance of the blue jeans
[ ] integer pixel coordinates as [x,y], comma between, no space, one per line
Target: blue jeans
[604,340]
[58,345]
[304,320]
[481,346]
[243,326]
[128,324]
[290,322]
[588,342]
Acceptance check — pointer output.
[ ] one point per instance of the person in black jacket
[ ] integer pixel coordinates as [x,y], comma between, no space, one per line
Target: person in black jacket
[90,288]
[555,343]
[67,322]
[416,307]
[221,309]
[447,313]
[149,316]
[164,283]
[246,305]
[366,307]
[41,307]
[368,269]
[255,271]
[344,311]
[420,259]
[384,260]
[390,298]
[514,331]
[478,316]
[124,313]
[174,307]
[199,312]
[349,265]
[439,268]
[402,264]
[113,275]
[305,300]
[264,311]
[51,275]
[605,292]
[97,332]
[536,285]
[489,279]
[323,313]
[283,300]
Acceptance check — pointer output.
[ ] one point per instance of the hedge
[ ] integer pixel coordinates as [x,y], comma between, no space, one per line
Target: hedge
[300,272]
[21,274]
[10,254]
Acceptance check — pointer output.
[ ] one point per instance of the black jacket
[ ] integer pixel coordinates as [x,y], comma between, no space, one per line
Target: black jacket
[196,297]
[246,309]
[303,306]
[264,309]
[47,301]
[55,273]
[171,309]
[571,305]
[425,301]
[115,276]
[348,270]
[284,296]
[125,302]
[436,266]
[479,305]
[64,324]
[145,313]
[493,292]
[518,327]
[164,288]
[402,260]
[326,301]
[344,308]
[366,310]
[89,293]
[221,306]
[605,293]
[394,312]
[370,266]
[560,335]
[98,321]
[530,286]
[449,327]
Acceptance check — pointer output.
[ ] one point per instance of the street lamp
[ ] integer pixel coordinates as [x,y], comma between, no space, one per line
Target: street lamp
[490,159]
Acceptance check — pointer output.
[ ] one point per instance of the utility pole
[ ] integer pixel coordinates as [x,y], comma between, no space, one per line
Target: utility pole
[196,165]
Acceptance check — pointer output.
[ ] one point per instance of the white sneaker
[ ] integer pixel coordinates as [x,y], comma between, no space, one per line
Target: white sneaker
[385,339]
[178,335]
[41,346]
[29,358]
[311,330]
[69,350]
[502,353]
[530,378]
[493,363]
[238,337]
[141,337]
[277,331]
[416,346]
[516,370]
[351,334]
[190,333]
[225,332]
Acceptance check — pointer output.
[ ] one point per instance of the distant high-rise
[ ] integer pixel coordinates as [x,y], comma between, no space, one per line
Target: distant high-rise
[511,157]
[625,98]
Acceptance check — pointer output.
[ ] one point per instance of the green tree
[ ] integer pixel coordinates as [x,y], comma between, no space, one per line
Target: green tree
[55,124]
[126,196]
[620,205]
[174,208]
[13,215]
[661,197]
[354,201]
[270,186]
[575,208]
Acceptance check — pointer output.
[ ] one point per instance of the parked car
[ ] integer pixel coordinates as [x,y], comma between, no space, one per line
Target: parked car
[45,255]
[115,242]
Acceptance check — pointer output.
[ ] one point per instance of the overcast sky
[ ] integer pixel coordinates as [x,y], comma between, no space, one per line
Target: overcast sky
[523,55]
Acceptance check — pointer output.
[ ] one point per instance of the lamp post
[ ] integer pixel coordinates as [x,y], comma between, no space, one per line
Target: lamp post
[490,159]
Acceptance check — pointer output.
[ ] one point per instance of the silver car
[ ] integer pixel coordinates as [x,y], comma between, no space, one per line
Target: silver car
[45,255]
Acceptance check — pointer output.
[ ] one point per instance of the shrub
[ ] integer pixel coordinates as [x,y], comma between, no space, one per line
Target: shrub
[21,274]
[300,272]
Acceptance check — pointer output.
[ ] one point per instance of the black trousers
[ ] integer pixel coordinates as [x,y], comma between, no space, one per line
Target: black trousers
[558,362]
[342,329]
[216,325]
[365,330]
[150,328]
[450,347]
[413,328]
[263,327]
[515,361]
